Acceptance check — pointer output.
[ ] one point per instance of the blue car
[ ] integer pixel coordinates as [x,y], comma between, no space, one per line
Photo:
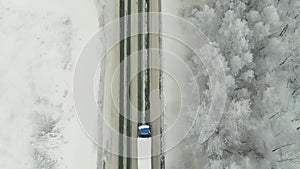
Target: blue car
[144,131]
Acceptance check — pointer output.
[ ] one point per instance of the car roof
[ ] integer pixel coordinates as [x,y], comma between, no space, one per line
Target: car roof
[144,126]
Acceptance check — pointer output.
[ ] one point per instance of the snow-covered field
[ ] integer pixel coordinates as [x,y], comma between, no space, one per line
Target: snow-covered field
[40,41]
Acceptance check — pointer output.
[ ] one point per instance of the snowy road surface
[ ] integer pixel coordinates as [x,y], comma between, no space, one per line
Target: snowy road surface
[138,85]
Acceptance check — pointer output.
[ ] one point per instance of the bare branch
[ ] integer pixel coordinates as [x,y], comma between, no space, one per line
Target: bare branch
[283,30]
[296,118]
[286,145]
[287,159]
[294,92]
[274,115]
[283,62]
[228,151]
[258,50]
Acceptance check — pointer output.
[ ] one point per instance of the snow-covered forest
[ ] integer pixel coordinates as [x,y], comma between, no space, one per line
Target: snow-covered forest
[259,43]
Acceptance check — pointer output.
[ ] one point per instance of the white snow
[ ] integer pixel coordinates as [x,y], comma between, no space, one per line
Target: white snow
[40,41]
[175,88]
[78,152]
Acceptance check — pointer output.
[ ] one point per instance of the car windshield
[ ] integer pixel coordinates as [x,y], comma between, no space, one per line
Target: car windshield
[144,132]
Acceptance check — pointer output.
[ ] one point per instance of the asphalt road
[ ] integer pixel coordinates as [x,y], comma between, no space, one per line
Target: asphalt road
[133,90]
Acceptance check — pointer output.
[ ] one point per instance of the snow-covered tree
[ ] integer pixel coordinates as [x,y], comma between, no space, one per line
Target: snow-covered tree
[259,43]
